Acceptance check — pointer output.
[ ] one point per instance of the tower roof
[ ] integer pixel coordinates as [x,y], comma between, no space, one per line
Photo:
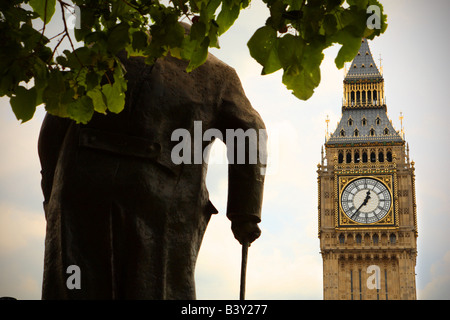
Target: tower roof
[364,118]
[363,66]
[364,126]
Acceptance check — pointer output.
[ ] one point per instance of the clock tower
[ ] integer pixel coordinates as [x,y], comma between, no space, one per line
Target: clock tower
[367,204]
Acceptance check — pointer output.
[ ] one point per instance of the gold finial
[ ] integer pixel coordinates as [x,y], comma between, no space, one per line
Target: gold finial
[327,120]
[401,125]
[381,66]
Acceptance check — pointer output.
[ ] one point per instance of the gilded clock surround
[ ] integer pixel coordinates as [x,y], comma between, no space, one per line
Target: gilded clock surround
[342,221]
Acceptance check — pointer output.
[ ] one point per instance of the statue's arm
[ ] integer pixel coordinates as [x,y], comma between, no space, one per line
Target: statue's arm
[51,137]
[245,180]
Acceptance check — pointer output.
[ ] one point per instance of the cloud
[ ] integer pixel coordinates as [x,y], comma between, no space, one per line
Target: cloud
[438,288]
[19,228]
[18,141]
[22,233]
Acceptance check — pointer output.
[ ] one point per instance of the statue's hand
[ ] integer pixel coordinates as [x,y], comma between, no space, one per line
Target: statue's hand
[245,231]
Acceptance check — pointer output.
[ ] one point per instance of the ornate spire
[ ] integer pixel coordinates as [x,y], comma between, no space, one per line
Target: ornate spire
[364,118]
[363,83]
[363,66]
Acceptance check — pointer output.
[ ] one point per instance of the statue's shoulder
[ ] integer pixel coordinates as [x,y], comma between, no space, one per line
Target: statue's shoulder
[216,62]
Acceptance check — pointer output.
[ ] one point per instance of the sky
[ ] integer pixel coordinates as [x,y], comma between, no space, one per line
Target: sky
[285,262]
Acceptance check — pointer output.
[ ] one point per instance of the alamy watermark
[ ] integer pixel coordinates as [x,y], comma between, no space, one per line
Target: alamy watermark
[243,147]
[74,280]
[374,20]
[373,281]
[73,19]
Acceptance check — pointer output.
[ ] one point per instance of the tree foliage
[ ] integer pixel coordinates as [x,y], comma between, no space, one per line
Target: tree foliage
[90,78]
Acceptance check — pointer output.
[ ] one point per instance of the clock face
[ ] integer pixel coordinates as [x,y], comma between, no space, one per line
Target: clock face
[366,200]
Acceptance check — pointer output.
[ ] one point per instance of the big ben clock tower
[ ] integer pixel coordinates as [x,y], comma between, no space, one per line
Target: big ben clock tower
[367,204]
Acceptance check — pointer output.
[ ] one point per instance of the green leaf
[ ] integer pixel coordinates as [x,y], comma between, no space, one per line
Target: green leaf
[40,79]
[303,76]
[98,99]
[227,16]
[212,7]
[198,31]
[199,55]
[81,110]
[119,9]
[263,48]
[277,14]
[361,4]
[92,80]
[24,103]
[140,40]
[6,83]
[302,83]
[55,96]
[118,37]
[115,97]
[349,49]
[213,34]
[290,50]
[174,32]
[330,24]
[44,8]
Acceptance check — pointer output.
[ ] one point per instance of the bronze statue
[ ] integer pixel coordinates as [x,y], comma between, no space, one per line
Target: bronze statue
[116,204]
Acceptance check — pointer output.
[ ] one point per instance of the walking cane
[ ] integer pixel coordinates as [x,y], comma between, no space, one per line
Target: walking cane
[245,246]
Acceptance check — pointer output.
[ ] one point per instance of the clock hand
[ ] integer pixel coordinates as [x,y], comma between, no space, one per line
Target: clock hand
[367,197]
[363,204]
[357,210]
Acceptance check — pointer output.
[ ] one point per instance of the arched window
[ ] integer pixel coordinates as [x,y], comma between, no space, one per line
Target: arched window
[342,133]
[349,239]
[357,159]
[372,132]
[364,156]
[386,131]
[341,157]
[358,238]
[341,239]
[356,133]
[367,239]
[392,238]
[348,157]
[350,122]
[389,156]
[373,157]
[375,238]
[378,121]
[381,156]
[384,239]
[364,121]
